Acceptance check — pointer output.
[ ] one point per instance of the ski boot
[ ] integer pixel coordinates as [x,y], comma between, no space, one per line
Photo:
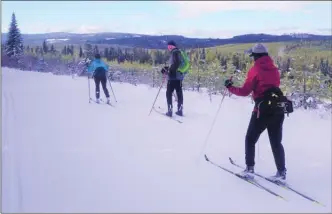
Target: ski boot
[248,173]
[108,101]
[169,113]
[97,97]
[279,177]
[179,112]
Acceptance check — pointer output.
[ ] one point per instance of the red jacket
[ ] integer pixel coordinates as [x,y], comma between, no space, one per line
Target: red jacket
[263,75]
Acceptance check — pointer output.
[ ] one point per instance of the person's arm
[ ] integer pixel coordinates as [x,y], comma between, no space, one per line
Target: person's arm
[175,65]
[91,67]
[247,87]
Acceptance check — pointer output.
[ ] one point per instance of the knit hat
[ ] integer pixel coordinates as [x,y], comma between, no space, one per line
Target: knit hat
[171,43]
[97,56]
[257,49]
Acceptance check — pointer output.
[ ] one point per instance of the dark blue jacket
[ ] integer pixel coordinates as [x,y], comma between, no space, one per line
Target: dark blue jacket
[175,61]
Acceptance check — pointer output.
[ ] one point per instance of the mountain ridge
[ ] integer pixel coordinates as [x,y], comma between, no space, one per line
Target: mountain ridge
[159,41]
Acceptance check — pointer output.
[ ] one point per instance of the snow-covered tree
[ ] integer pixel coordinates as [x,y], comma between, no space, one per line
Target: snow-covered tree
[88,51]
[14,44]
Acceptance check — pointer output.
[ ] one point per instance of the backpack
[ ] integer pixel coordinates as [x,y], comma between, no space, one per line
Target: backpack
[184,67]
[274,102]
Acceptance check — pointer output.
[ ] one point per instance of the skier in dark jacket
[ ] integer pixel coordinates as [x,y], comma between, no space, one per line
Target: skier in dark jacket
[175,79]
[263,80]
[99,71]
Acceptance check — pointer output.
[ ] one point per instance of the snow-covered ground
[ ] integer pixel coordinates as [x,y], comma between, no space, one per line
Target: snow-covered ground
[61,153]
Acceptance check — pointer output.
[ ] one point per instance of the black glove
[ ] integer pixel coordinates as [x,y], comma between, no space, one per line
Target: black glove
[228,83]
[164,70]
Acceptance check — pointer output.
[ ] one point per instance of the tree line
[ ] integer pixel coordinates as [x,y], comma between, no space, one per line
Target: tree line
[304,69]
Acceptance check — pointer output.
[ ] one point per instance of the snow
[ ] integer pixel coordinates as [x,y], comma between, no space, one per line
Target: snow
[110,38]
[55,40]
[62,154]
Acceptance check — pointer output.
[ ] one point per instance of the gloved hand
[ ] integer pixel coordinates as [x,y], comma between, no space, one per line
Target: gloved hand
[228,83]
[164,70]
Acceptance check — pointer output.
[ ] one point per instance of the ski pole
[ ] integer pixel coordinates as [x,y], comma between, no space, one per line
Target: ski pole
[89,88]
[161,85]
[112,89]
[214,119]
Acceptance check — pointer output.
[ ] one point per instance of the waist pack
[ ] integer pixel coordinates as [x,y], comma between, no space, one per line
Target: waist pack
[273,102]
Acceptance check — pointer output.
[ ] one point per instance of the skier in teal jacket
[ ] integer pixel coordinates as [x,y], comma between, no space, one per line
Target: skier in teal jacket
[99,71]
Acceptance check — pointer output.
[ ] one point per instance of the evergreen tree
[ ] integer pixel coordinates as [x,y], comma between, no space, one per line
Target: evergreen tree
[81,52]
[203,54]
[106,53]
[45,47]
[72,50]
[52,49]
[67,50]
[2,49]
[64,50]
[14,44]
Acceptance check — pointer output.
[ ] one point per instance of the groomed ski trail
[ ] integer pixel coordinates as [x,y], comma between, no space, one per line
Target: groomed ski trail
[61,153]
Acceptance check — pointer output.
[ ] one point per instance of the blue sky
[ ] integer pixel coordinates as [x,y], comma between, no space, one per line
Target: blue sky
[215,19]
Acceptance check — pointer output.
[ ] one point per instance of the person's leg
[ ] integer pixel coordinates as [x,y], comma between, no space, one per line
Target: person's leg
[179,93]
[103,84]
[274,129]
[97,82]
[255,129]
[169,92]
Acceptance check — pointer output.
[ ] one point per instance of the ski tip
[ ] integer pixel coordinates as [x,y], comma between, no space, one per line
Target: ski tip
[206,158]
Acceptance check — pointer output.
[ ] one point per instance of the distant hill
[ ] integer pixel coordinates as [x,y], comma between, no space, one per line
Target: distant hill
[158,42]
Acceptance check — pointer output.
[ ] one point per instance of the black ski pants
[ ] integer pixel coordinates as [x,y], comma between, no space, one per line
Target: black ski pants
[177,86]
[273,123]
[101,78]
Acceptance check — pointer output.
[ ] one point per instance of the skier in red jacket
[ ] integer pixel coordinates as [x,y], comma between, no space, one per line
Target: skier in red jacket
[263,81]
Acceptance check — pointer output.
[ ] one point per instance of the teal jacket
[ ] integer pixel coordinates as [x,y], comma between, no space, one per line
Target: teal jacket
[96,63]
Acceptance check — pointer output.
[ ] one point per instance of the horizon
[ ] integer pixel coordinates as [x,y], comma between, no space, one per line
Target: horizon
[215,20]
[298,33]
